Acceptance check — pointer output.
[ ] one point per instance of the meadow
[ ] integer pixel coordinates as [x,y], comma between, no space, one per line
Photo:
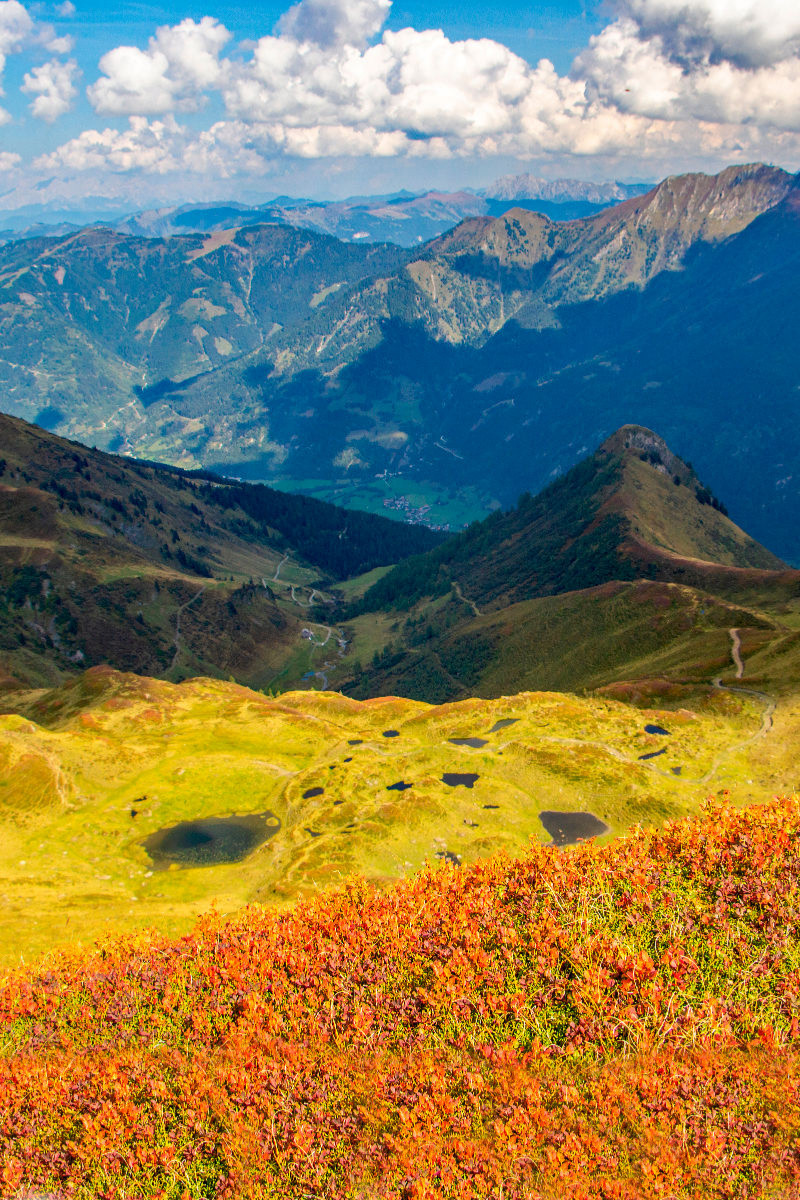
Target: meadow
[91,770]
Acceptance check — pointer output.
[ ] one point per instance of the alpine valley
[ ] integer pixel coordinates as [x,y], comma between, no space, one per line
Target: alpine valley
[344,856]
[446,378]
[613,648]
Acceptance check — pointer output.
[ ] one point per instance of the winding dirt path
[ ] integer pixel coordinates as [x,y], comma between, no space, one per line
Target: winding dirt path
[464,600]
[736,652]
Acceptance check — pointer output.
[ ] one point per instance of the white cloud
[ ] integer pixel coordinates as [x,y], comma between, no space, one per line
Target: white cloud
[53,87]
[747,33]
[67,9]
[664,79]
[150,146]
[57,45]
[727,61]
[160,147]
[8,161]
[180,64]
[50,83]
[16,26]
[330,23]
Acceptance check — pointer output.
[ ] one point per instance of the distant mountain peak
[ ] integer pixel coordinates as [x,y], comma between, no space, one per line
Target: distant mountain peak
[533,187]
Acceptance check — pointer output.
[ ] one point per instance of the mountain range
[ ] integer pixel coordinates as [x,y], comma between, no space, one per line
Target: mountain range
[627,567]
[376,376]
[405,218]
[325,784]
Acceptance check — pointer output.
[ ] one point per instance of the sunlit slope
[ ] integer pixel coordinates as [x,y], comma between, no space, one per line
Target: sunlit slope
[618,1023]
[92,769]
[588,639]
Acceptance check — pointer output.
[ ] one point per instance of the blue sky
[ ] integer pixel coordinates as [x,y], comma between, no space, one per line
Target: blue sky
[324,97]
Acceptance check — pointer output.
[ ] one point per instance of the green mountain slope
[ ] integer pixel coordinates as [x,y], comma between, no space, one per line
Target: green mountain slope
[97,326]
[107,560]
[633,508]
[539,597]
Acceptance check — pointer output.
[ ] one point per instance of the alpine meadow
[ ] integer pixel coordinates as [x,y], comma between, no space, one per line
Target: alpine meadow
[400,601]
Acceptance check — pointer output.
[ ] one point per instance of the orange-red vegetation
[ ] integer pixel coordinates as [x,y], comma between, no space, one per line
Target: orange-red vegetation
[607,1024]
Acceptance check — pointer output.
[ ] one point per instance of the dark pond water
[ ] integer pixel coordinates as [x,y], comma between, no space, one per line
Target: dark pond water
[567,828]
[652,754]
[400,786]
[657,729]
[449,856]
[457,779]
[391,733]
[474,742]
[503,724]
[315,791]
[491,806]
[355,742]
[211,840]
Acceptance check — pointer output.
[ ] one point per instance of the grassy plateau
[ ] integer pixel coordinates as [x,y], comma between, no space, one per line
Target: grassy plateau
[90,770]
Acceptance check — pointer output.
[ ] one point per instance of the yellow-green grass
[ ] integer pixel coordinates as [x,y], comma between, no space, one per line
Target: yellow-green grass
[76,761]
[353,589]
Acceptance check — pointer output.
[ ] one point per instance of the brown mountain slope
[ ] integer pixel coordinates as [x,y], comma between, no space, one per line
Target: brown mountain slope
[525,257]
[106,560]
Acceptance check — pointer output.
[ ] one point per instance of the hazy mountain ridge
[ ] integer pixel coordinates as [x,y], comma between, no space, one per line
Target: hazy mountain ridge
[404,218]
[375,371]
[533,187]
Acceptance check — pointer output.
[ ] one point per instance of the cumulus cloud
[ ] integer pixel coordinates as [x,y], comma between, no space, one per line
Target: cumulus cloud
[329,23]
[747,33]
[53,88]
[158,147]
[16,26]
[418,93]
[663,78]
[51,83]
[67,9]
[727,61]
[180,64]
